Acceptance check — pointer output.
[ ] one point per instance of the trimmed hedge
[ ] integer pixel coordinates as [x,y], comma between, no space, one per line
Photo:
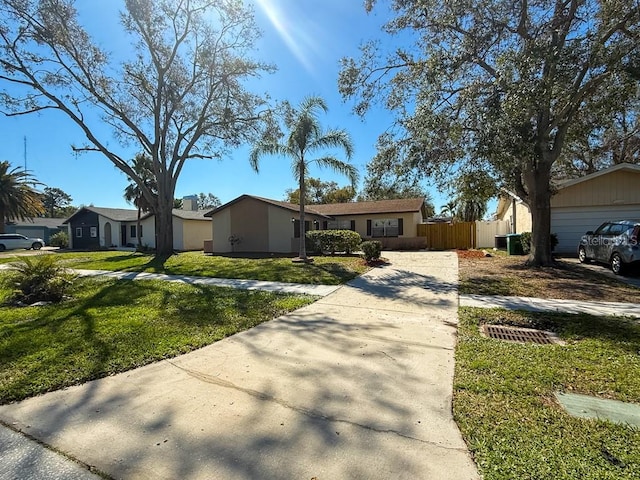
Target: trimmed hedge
[333,241]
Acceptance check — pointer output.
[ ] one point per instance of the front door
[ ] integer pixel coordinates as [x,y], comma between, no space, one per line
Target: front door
[123,235]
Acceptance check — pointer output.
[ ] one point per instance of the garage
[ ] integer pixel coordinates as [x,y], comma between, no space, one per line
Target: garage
[585,203]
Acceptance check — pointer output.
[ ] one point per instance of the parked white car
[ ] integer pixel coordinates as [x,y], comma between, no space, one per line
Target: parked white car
[9,241]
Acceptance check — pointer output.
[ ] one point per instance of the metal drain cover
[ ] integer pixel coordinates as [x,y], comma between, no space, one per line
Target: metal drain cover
[520,335]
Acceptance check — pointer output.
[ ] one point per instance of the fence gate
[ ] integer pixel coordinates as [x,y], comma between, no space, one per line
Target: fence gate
[447,236]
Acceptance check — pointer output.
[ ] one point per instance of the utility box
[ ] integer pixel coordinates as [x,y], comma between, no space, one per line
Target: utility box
[514,244]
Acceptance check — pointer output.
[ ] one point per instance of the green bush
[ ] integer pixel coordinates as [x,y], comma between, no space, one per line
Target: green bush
[525,239]
[371,250]
[334,240]
[38,278]
[59,239]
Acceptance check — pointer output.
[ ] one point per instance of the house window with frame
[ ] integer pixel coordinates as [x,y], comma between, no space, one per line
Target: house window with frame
[78,232]
[341,225]
[133,231]
[385,227]
[296,227]
[93,232]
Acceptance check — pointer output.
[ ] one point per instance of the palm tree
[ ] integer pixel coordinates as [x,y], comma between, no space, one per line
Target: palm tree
[143,167]
[304,139]
[449,209]
[18,199]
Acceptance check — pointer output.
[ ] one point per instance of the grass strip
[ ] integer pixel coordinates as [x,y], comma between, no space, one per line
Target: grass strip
[330,270]
[110,326]
[504,404]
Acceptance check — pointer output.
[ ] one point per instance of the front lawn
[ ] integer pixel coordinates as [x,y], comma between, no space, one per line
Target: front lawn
[110,326]
[330,270]
[504,403]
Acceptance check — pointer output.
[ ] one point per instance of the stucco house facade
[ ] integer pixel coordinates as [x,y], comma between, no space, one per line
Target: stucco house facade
[250,224]
[583,204]
[97,227]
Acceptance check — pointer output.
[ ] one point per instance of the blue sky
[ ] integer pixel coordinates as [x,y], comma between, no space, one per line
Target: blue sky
[305,39]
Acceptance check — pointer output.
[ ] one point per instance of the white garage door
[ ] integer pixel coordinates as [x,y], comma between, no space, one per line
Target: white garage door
[571,223]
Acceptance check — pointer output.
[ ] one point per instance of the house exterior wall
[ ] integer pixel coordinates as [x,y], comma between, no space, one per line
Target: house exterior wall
[522,216]
[194,233]
[281,234]
[178,233]
[85,223]
[250,222]
[410,221]
[615,188]
[221,231]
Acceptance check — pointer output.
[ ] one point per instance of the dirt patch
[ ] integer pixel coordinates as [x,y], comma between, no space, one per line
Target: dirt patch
[508,275]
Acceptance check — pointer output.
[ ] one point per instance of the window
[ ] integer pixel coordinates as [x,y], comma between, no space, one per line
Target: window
[133,231]
[296,227]
[341,225]
[385,227]
[93,231]
[79,232]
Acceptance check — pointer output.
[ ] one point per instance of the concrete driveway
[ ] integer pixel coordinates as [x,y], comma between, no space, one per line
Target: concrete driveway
[355,386]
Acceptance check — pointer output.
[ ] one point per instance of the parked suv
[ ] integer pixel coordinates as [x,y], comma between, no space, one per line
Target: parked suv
[9,241]
[615,243]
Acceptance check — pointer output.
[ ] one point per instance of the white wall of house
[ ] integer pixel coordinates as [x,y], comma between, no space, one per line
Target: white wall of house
[115,232]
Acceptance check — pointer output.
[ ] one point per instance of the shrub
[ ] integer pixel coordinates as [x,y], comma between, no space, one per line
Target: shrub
[334,240]
[38,278]
[525,239]
[371,250]
[59,239]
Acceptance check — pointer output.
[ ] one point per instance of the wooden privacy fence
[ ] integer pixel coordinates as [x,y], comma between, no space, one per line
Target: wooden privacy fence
[447,236]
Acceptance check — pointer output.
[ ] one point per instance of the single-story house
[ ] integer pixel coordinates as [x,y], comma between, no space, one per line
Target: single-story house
[36,227]
[581,204]
[251,224]
[97,227]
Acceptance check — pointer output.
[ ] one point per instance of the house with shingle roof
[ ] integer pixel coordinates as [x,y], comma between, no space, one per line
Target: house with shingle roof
[254,224]
[98,227]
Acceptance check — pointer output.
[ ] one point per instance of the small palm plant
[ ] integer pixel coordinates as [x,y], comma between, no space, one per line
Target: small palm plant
[38,278]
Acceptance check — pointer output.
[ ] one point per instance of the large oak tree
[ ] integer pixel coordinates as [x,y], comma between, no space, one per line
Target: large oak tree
[496,85]
[178,94]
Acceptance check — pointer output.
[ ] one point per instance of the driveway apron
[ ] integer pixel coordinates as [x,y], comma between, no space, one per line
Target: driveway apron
[357,385]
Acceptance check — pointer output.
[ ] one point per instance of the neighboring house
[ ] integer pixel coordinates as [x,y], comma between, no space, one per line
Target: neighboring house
[261,225]
[584,203]
[36,227]
[96,227]
[512,209]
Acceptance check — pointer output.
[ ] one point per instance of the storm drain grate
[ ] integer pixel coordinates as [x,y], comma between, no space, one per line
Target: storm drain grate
[520,335]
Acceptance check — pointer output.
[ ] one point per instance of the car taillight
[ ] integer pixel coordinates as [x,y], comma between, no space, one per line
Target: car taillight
[634,236]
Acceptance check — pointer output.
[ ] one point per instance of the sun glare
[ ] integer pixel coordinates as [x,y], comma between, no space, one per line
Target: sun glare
[296,34]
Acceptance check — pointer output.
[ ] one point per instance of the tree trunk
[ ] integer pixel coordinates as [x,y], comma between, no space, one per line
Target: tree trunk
[164,228]
[303,247]
[537,180]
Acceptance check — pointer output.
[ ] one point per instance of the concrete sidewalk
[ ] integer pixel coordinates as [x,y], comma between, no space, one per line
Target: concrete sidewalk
[551,305]
[356,385]
[280,287]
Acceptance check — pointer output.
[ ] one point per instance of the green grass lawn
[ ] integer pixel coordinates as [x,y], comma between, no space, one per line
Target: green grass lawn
[111,326]
[504,404]
[330,270]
